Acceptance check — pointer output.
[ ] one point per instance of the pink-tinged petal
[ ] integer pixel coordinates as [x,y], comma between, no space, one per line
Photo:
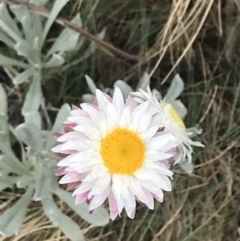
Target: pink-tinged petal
[57,149]
[101,185]
[73,135]
[113,208]
[84,187]
[159,196]
[131,103]
[98,200]
[150,202]
[69,124]
[73,186]
[77,145]
[71,177]
[61,149]
[130,205]
[60,171]
[167,162]
[61,155]
[57,135]
[81,198]
[108,97]
[80,113]
[101,100]
[74,107]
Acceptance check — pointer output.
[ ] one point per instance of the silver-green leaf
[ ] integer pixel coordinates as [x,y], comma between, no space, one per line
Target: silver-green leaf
[124,87]
[187,167]
[30,134]
[67,40]
[175,89]
[11,221]
[7,19]
[6,61]
[7,181]
[58,5]
[24,76]
[65,223]
[33,99]
[3,101]
[55,61]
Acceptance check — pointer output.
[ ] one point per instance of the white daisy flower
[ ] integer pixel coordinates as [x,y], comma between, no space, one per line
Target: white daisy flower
[172,111]
[115,150]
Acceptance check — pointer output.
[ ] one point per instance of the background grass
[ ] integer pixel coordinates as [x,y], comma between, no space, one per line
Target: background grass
[197,39]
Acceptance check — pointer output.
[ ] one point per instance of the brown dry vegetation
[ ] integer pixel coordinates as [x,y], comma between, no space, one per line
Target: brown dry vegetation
[200,40]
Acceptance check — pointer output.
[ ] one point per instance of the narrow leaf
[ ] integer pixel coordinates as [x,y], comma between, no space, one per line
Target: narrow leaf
[23,15]
[58,5]
[24,76]
[46,181]
[30,134]
[26,49]
[6,40]
[33,97]
[7,181]
[125,88]
[91,84]
[7,19]
[11,161]
[187,167]
[175,89]
[55,61]
[39,2]
[6,61]
[11,221]
[3,101]
[65,223]
[144,82]
[67,40]
[99,218]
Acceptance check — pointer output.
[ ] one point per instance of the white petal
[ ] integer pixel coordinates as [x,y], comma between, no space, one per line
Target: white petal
[71,177]
[78,145]
[157,142]
[93,113]
[73,135]
[158,156]
[146,136]
[130,205]
[81,167]
[100,186]
[144,122]
[84,187]
[102,101]
[125,119]
[84,155]
[119,200]
[118,101]
[98,200]
[136,189]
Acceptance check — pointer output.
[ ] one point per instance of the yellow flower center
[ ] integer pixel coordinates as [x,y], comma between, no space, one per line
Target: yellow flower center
[123,151]
[178,120]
